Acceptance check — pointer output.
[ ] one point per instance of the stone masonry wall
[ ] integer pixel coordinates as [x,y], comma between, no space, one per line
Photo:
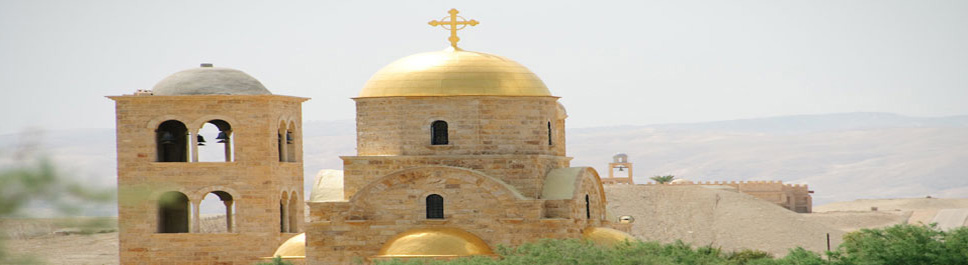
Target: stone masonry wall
[341,232]
[256,180]
[524,172]
[477,125]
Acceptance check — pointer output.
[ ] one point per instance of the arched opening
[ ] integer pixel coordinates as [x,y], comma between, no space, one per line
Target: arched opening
[171,139]
[291,143]
[438,133]
[281,142]
[293,213]
[217,213]
[588,208]
[283,213]
[219,149]
[173,212]
[435,206]
[549,133]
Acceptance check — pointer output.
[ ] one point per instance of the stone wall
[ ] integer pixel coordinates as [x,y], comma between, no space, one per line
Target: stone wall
[341,232]
[256,180]
[477,125]
[795,197]
[524,172]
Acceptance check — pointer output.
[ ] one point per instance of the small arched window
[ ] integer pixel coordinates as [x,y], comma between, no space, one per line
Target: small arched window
[293,213]
[210,151]
[173,213]
[549,133]
[588,208]
[171,139]
[291,143]
[223,208]
[438,133]
[435,207]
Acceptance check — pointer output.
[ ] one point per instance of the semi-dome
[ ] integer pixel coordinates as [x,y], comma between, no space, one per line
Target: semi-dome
[434,242]
[209,80]
[293,248]
[454,72]
[604,236]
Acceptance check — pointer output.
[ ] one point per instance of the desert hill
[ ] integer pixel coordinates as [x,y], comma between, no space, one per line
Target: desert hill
[842,157]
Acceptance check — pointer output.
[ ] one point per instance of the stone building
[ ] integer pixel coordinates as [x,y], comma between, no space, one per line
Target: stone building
[162,177]
[457,152]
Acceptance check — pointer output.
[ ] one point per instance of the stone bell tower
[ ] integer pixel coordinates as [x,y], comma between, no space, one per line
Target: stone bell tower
[166,169]
[620,163]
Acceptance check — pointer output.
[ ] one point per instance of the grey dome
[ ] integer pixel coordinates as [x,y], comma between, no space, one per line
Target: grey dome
[208,80]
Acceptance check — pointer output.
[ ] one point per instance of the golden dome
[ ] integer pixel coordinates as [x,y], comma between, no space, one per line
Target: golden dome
[293,248]
[606,236]
[454,72]
[434,242]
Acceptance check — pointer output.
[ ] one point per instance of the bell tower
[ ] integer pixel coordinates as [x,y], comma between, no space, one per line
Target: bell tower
[620,163]
[208,137]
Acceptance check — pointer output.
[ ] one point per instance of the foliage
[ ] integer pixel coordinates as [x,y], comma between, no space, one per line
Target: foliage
[275,261]
[34,180]
[901,244]
[663,179]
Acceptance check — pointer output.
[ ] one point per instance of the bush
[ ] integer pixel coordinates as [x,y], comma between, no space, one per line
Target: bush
[900,244]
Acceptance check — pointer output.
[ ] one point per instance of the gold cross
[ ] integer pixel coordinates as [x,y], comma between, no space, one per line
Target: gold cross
[452,25]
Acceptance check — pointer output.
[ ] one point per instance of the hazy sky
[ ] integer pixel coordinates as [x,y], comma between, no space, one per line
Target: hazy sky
[613,62]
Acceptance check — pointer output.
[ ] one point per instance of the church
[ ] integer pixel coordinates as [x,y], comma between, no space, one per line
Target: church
[457,152]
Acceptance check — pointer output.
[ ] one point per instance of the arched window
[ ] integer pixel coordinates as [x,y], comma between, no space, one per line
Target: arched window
[210,151]
[588,208]
[293,210]
[216,213]
[438,133]
[281,142]
[173,212]
[549,133]
[435,207]
[171,139]
[284,213]
[291,143]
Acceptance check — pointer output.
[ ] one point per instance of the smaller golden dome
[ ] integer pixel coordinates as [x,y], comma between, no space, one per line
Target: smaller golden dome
[434,242]
[606,236]
[293,248]
[454,72]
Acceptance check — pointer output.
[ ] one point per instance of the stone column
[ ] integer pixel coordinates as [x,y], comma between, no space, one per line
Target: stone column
[228,215]
[196,222]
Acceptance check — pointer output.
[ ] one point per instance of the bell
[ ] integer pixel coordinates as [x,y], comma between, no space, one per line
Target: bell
[620,169]
[201,140]
[167,138]
[289,137]
[222,138]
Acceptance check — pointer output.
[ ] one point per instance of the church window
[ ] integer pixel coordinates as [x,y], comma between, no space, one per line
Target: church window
[173,208]
[281,142]
[549,133]
[293,210]
[588,212]
[435,207]
[438,133]
[284,213]
[219,149]
[217,213]
[291,143]
[171,139]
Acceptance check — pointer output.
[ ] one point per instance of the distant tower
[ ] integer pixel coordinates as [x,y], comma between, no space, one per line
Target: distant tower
[163,174]
[621,163]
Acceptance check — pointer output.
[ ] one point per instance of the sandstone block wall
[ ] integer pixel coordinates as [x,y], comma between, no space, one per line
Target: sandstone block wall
[795,197]
[341,232]
[256,180]
[524,172]
[477,125]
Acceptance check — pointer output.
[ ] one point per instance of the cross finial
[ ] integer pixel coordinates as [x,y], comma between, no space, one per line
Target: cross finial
[453,24]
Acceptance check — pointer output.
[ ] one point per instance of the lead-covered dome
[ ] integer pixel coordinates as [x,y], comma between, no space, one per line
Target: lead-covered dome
[209,80]
[454,72]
